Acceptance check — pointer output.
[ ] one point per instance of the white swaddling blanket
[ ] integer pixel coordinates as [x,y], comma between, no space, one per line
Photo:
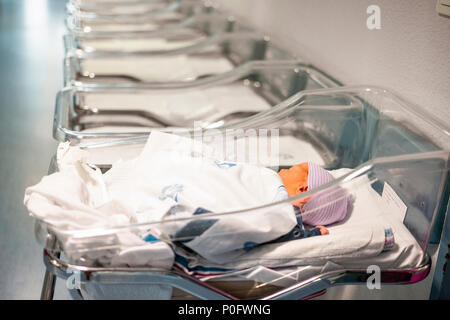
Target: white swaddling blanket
[157,68]
[167,170]
[76,199]
[144,189]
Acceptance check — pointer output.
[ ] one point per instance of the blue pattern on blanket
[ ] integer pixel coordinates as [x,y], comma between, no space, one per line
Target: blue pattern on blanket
[224,165]
[201,210]
[150,238]
[281,194]
[171,191]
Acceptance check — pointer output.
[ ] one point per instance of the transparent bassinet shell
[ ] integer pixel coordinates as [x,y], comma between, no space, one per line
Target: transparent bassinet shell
[111,9]
[374,143]
[214,55]
[152,36]
[183,14]
[84,112]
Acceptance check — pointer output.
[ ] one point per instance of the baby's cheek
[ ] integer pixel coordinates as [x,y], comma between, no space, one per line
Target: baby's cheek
[292,191]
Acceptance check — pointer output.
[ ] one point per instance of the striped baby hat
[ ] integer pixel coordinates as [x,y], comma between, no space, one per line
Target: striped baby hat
[327,206]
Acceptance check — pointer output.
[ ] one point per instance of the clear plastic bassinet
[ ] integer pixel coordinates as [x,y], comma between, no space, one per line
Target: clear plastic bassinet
[83,112]
[217,54]
[392,159]
[187,32]
[111,9]
[183,14]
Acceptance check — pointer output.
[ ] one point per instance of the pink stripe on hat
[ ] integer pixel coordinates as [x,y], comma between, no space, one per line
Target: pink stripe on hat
[327,206]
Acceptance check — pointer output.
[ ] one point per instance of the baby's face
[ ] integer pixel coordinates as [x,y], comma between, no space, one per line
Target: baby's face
[295,180]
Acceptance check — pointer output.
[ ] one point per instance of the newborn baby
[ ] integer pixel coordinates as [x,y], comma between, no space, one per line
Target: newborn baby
[324,208]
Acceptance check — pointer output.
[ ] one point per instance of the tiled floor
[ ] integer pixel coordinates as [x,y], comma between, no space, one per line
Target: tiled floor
[31,53]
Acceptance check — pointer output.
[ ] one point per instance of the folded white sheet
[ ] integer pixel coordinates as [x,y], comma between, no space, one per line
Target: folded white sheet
[158,68]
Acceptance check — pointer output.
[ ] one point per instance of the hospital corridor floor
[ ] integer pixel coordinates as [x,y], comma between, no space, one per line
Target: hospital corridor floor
[31,53]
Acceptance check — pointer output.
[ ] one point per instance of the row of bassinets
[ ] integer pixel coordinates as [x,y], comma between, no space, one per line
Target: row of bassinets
[186,71]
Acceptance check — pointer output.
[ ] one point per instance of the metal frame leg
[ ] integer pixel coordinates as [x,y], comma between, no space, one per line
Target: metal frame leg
[48,288]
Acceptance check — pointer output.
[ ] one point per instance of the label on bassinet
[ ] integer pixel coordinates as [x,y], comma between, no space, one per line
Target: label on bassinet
[393,201]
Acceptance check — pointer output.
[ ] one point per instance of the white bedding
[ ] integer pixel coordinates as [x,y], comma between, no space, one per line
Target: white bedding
[130,44]
[96,27]
[356,243]
[158,68]
[165,175]
[361,236]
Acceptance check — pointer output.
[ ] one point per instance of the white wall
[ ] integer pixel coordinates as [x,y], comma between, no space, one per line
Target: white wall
[410,54]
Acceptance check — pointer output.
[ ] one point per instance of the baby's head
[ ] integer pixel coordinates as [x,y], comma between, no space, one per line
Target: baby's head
[323,208]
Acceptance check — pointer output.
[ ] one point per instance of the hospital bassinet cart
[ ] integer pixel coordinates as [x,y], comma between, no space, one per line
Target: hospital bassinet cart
[216,54]
[391,157]
[120,9]
[111,111]
[183,14]
[376,142]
